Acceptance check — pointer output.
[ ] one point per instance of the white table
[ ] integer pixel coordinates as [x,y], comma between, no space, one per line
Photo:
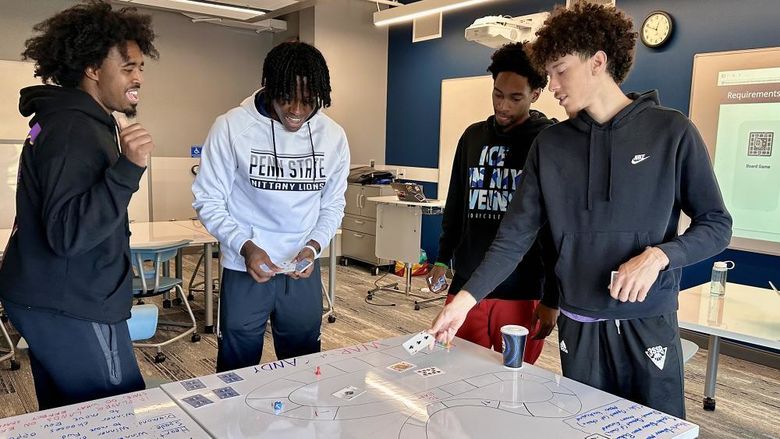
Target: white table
[148,413]
[163,232]
[398,236]
[474,397]
[745,313]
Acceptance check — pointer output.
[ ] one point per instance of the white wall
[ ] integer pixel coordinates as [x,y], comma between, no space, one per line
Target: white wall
[203,70]
[356,52]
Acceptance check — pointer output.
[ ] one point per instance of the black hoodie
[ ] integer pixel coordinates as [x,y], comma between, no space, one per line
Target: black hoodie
[70,252]
[609,191]
[486,170]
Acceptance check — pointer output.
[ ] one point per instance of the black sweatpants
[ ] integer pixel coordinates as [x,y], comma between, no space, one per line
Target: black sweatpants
[75,360]
[638,359]
[293,306]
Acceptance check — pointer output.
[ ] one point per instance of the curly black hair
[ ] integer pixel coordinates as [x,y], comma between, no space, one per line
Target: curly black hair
[584,29]
[289,61]
[82,36]
[512,57]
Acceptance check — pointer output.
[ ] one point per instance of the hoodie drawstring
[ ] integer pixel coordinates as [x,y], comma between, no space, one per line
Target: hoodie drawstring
[313,157]
[591,165]
[276,159]
[611,165]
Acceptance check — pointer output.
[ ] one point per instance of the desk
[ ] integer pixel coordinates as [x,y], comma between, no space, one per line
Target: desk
[148,413]
[398,236]
[474,397]
[162,232]
[746,314]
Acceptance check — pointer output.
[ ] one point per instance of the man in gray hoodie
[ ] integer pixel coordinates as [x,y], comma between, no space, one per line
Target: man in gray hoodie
[611,183]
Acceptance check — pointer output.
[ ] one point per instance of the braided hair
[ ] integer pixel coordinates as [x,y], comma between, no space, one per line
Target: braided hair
[82,36]
[288,62]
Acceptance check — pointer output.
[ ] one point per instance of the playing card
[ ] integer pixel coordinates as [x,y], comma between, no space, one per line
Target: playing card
[429,371]
[401,366]
[612,279]
[230,377]
[197,401]
[225,392]
[349,393]
[418,342]
[194,384]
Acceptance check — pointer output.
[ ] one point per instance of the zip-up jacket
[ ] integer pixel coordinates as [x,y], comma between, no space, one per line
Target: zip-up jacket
[609,191]
[70,251]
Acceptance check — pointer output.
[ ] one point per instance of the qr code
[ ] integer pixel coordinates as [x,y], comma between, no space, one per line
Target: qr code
[760,143]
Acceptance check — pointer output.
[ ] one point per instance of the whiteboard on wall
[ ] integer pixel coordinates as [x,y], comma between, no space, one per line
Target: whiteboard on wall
[735,104]
[171,188]
[465,101]
[14,76]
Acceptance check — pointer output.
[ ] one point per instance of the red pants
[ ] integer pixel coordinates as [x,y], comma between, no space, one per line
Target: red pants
[483,324]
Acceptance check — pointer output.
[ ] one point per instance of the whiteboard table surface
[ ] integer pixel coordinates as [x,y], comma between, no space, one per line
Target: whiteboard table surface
[145,414]
[475,397]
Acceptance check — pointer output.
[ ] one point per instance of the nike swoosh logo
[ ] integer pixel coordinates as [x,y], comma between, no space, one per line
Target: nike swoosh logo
[636,160]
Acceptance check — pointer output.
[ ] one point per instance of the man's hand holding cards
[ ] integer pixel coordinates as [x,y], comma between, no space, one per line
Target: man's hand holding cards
[418,342]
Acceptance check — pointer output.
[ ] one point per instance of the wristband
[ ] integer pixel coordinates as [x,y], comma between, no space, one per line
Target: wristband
[440,264]
[313,250]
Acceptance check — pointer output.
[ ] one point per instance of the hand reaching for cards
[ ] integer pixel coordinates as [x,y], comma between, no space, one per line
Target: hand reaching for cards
[254,257]
[637,275]
[436,273]
[451,317]
[544,317]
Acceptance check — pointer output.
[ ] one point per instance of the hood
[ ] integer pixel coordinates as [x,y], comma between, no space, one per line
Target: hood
[45,100]
[535,123]
[584,123]
[254,105]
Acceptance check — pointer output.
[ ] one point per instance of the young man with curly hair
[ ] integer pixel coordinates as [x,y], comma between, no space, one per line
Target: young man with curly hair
[271,188]
[611,182]
[66,276]
[486,171]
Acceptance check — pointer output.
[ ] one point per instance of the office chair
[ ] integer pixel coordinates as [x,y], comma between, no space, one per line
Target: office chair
[147,283]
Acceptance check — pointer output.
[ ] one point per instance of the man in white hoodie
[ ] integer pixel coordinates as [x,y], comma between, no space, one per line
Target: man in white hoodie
[273,172]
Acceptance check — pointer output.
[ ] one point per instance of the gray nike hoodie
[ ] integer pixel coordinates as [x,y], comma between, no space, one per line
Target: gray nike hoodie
[609,191]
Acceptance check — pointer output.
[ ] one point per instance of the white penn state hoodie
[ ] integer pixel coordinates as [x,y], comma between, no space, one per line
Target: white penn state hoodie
[279,189]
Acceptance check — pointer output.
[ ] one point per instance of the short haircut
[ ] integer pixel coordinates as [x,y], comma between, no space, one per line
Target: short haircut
[584,29]
[513,58]
[289,61]
[82,36]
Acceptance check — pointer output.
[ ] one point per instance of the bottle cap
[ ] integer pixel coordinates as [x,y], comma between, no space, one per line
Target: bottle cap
[723,265]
